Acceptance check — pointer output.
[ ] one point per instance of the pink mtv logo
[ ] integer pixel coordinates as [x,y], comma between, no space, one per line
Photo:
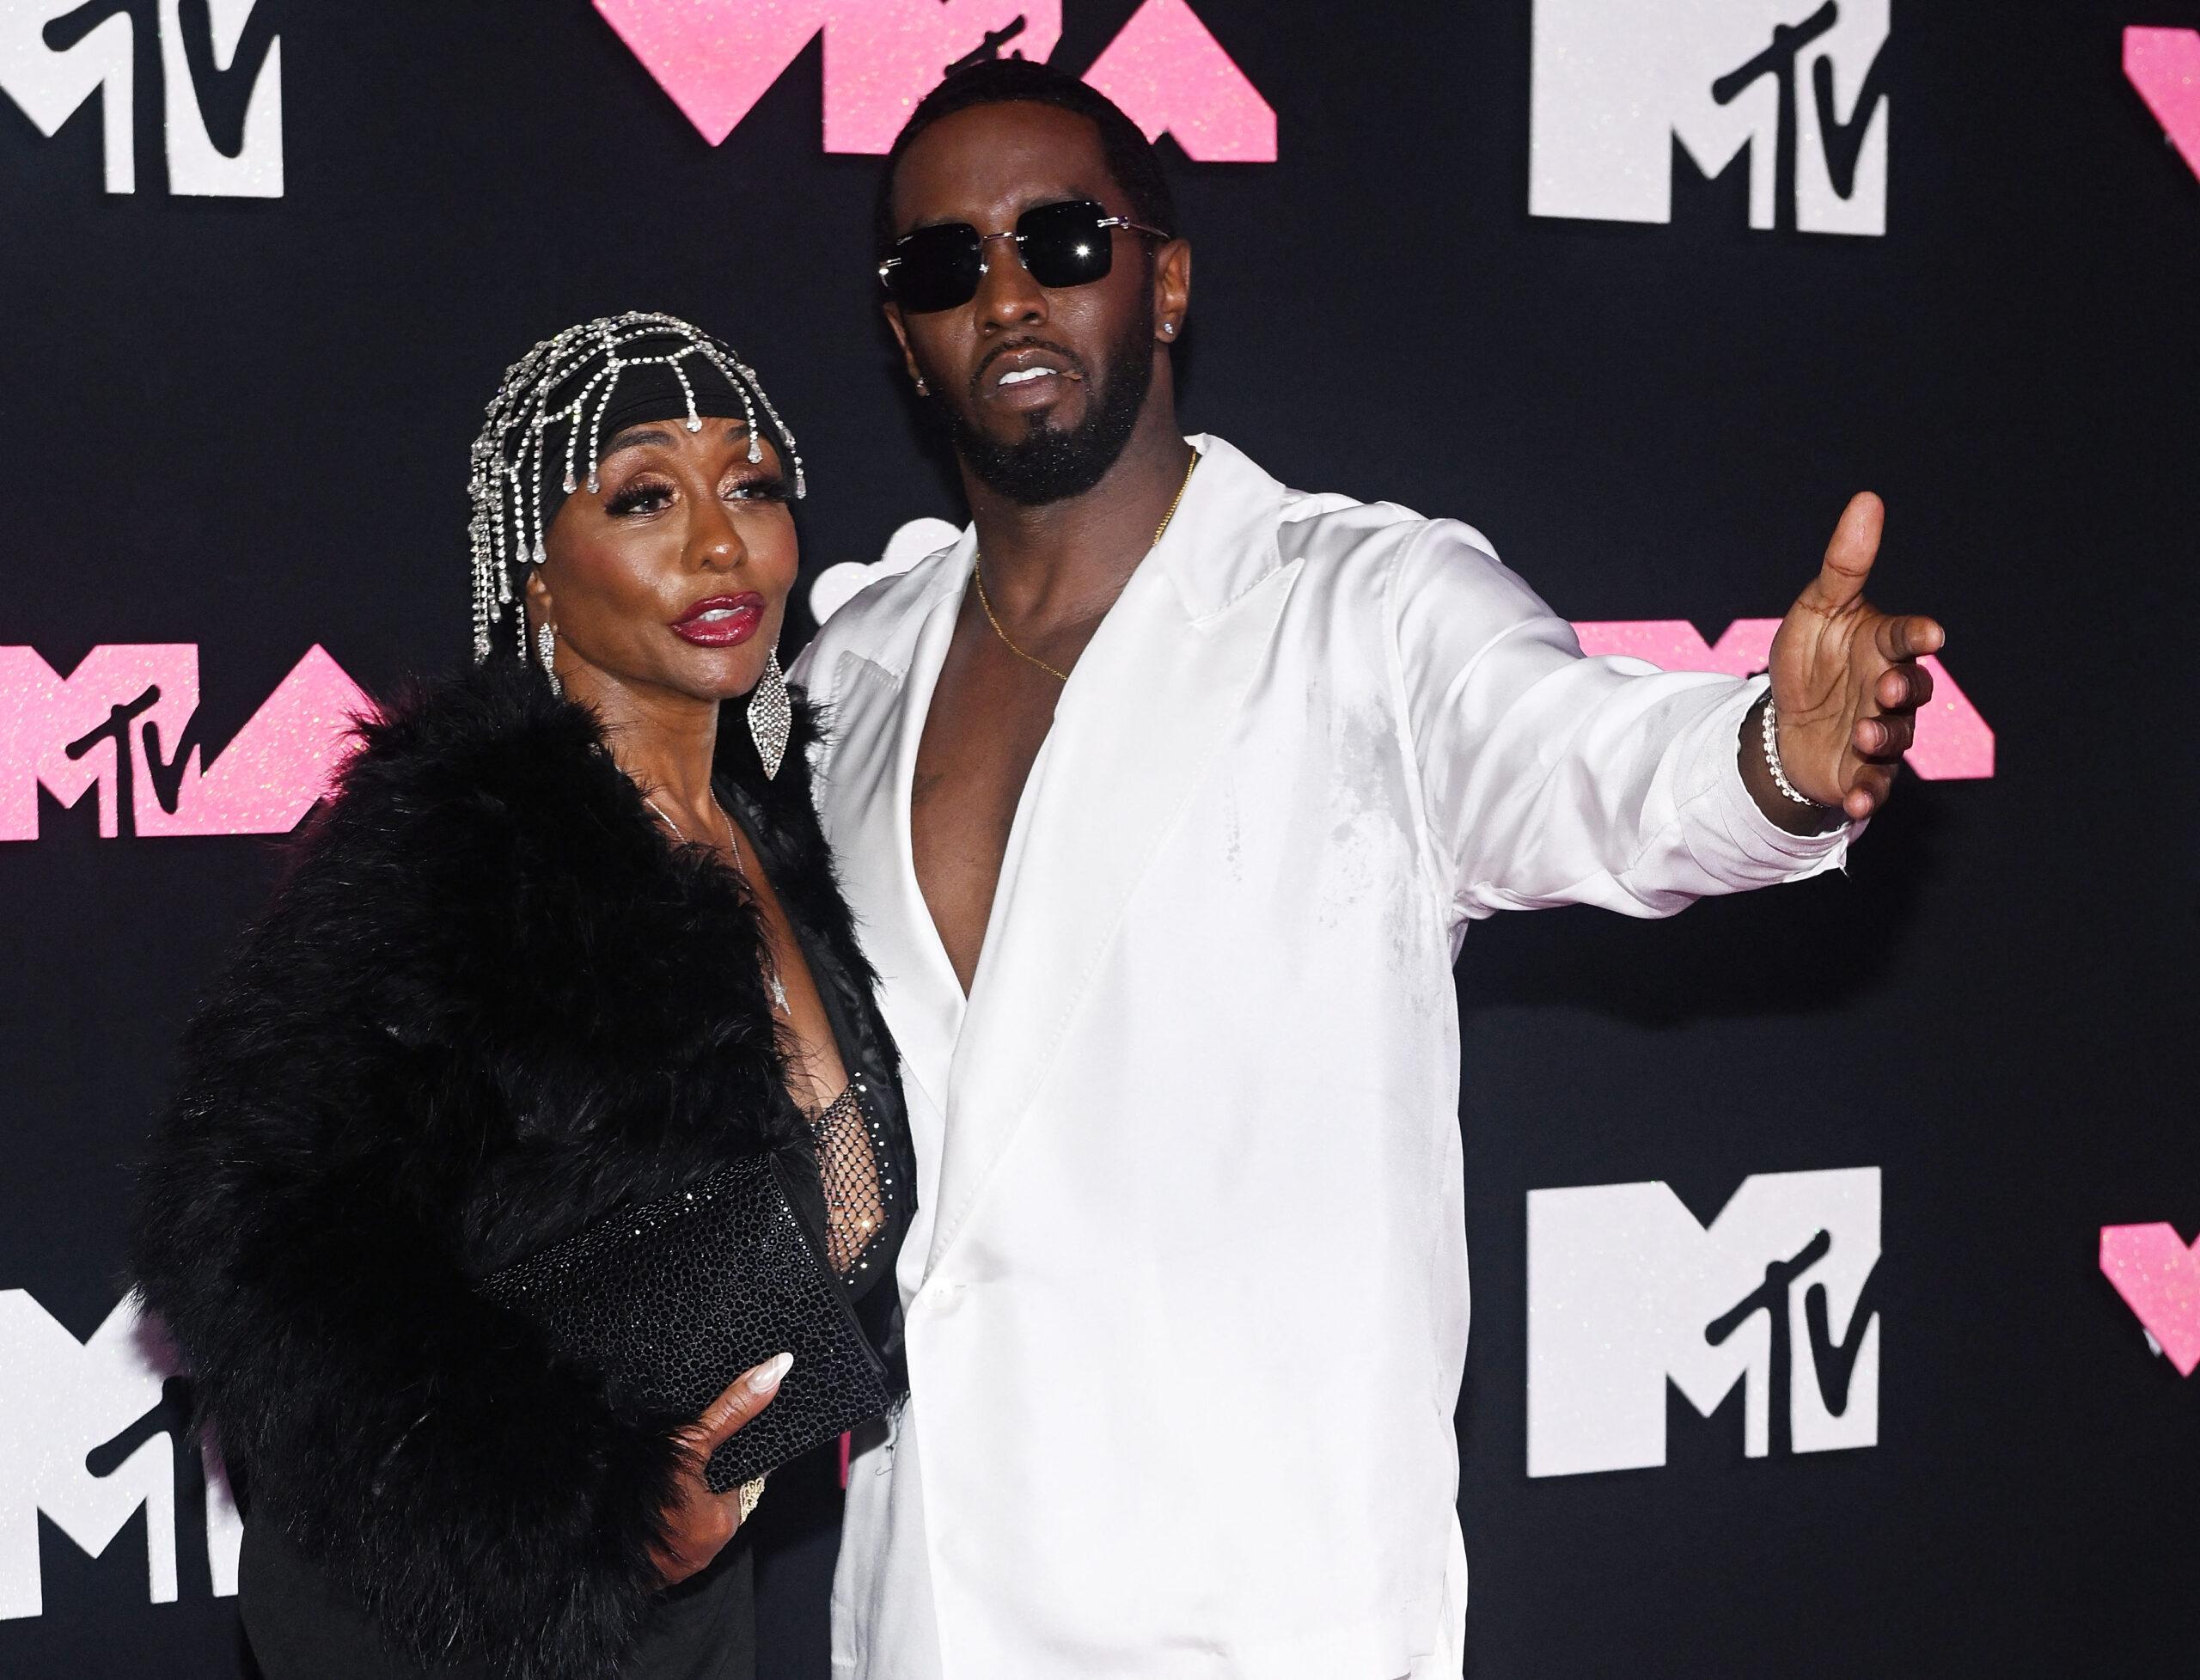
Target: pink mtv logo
[717,58]
[2158,1275]
[120,725]
[1953,742]
[2164,66]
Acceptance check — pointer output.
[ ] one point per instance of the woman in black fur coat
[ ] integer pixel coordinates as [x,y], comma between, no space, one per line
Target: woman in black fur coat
[562,943]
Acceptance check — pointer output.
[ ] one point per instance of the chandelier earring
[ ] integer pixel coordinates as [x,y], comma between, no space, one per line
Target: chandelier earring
[771,716]
[546,650]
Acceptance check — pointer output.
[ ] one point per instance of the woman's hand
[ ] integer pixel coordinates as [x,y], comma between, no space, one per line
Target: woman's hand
[698,1523]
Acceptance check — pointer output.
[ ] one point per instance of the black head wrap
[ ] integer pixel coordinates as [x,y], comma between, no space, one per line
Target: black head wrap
[641,394]
[562,402]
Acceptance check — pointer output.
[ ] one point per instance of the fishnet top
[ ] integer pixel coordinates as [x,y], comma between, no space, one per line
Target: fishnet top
[855,1169]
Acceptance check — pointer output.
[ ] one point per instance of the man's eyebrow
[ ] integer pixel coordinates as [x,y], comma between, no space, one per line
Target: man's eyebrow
[653,432]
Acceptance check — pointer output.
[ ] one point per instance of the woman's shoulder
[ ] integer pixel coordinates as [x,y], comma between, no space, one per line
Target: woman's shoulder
[492,726]
[477,842]
[486,769]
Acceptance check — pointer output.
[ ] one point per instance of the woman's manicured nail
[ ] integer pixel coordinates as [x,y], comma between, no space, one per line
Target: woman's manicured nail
[768,1375]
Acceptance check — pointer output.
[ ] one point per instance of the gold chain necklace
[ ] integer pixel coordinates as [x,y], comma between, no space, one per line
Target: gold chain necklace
[733,844]
[732,836]
[978,572]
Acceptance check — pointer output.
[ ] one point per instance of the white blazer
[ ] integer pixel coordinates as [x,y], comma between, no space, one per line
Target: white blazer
[1187,1293]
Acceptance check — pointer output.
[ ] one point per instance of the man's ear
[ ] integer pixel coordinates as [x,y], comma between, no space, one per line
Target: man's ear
[893,313]
[1172,289]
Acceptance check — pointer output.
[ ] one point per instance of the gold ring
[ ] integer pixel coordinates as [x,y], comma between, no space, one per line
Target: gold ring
[751,1494]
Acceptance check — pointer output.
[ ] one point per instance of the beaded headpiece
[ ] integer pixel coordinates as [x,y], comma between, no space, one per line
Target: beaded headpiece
[570,380]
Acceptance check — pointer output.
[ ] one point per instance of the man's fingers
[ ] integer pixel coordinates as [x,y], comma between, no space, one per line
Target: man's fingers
[1868,792]
[748,1395]
[1884,737]
[1849,557]
[1908,636]
[1902,688]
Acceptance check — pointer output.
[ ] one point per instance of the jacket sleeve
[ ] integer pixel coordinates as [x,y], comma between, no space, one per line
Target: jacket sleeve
[297,1232]
[1549,777]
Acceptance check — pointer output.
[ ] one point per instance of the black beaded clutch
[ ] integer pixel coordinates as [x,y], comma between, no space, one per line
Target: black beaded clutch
[673,1300]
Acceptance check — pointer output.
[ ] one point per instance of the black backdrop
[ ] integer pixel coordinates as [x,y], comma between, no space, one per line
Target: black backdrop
[242,423]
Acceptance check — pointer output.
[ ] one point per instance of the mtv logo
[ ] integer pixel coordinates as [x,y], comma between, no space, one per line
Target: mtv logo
[1627,1292]
[218,64]
[123,725]
[65,1405]
[1802,91]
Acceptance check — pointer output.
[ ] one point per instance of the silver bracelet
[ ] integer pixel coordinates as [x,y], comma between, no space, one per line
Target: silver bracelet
[1768,730]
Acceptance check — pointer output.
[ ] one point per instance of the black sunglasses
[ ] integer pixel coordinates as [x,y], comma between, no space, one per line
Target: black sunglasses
[1061,244]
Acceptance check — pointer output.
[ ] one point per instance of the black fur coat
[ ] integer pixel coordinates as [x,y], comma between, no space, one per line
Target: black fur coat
[489,1005]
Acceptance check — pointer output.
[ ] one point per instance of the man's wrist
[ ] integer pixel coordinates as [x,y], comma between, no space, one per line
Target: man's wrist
[1757,755]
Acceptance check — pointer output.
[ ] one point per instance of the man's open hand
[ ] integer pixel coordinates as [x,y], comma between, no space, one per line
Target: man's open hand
[1845,682]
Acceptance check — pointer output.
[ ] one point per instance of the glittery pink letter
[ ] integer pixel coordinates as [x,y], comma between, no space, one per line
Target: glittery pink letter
[717,58]
[279,763]
[1169,73]
[98,709]
[2164,66]
[2158,1275]
[1953,742]
[882,56]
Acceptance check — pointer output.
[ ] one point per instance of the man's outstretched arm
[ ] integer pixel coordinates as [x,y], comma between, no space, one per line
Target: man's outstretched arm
[1552,779]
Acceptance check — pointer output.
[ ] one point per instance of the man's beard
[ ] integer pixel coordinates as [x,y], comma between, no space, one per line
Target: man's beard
[1047,464]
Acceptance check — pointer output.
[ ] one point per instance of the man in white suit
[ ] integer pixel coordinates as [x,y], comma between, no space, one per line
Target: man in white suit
[1163,798]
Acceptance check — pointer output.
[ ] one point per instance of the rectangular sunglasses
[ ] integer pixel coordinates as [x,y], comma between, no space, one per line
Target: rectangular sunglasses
[1067,244]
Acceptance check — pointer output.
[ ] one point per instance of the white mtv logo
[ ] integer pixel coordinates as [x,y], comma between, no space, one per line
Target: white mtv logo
[1614,82]
[63,1402]
[1627,1291]
[219,67]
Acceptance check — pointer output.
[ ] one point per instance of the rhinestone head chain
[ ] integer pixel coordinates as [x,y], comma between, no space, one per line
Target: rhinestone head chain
[561,387]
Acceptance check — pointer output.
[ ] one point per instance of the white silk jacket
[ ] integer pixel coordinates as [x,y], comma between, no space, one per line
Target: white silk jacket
[1187,1291]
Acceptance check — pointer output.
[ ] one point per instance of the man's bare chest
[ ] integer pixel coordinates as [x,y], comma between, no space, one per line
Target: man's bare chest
[980,741]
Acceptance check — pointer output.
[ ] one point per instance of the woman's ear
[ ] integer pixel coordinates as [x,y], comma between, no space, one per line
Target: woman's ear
[541,607]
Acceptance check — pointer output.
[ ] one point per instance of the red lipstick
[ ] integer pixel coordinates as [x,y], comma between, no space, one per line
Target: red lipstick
[721,620]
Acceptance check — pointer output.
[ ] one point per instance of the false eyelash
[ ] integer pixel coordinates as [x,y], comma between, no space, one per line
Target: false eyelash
[631,496]
[765,487]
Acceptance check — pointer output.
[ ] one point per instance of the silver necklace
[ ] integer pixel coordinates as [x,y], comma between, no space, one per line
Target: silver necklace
[733,844]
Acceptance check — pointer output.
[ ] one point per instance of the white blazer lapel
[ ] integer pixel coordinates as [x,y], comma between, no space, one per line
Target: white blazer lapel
[1141,719]
[878,719]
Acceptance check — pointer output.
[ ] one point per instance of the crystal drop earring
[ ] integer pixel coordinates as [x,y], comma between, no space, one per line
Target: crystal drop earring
[771,716]
[545,650]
